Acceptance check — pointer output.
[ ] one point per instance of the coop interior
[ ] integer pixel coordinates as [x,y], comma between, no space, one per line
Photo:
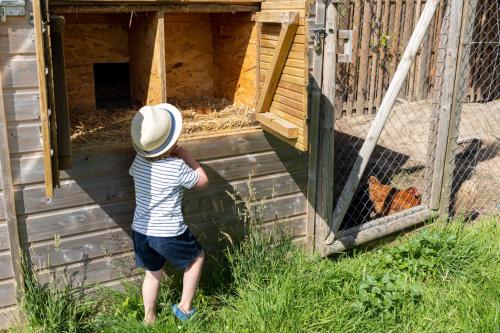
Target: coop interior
[114,66]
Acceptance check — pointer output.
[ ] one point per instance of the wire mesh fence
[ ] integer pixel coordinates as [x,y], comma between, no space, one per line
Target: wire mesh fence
[475,187]
[399,174]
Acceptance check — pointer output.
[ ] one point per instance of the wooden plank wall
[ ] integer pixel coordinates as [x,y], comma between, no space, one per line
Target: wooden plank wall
[20,90]
[290,99]
[90,39]
[93,209]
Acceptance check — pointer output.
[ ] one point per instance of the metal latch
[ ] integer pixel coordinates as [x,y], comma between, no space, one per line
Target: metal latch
[11,8]
[346,57]
[319,37]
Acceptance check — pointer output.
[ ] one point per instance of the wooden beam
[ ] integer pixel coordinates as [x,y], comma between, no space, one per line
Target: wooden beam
[8,196]
[42,87]
[326,184]
[381,118]
[167,8]
[278,124]
[274,17]
[315,82]
[446,102]
[160,42]
[378,229]
[283,46]
[466,17]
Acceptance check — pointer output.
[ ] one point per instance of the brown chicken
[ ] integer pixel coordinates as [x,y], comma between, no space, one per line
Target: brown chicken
[388,200]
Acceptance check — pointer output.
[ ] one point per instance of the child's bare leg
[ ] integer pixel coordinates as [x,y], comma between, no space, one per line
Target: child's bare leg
[150,288]
[190,282]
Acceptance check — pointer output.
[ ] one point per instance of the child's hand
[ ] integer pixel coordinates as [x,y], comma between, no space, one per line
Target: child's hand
[178,151]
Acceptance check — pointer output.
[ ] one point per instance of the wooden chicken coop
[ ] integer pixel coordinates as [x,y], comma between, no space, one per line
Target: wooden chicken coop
[268,89]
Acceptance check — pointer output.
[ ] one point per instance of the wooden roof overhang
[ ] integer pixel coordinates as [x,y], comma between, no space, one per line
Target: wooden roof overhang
[168,6]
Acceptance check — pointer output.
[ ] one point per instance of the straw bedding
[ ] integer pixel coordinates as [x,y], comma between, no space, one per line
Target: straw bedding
[203,115]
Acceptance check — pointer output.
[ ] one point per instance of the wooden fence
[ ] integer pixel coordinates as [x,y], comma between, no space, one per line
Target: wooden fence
[381,30]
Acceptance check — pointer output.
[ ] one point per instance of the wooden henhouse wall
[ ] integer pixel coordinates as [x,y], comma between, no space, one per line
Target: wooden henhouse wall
[20,102]
[91,212]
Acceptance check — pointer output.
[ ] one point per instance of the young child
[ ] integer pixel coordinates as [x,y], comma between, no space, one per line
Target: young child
[162,171]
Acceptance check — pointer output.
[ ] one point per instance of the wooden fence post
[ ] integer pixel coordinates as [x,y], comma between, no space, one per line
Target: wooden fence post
[447,110]
[466,17]
[326,144]
[315,81]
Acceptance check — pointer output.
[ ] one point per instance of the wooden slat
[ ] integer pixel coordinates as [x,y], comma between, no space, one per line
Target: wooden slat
[283,5]
[41,68]
[291,110]
[353,66]
[298,88]
[100,162]
[16,37]
[6,271]
[115,241]
[301,81]
[291,55]
[295,63]
[272,44]
[274,17]
[376,33]
[14,266]
[19,71]
[7,293]
[25,137]
[22,105]
[96,217]
[4,235]
[396,30]
[294,105]
[274,30]
[287,116]
[8,317]
[290,94]
[94,271]
[2,207]
[363,58]
[119,186]
[384,32]
[278,124]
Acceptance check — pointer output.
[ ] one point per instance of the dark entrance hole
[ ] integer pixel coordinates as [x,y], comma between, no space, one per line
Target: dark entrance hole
[112,85]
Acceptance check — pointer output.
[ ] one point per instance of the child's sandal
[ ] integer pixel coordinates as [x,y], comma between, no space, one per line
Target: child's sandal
[181,315]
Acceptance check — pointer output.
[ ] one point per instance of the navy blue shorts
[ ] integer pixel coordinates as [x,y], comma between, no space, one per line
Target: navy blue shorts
[152,252]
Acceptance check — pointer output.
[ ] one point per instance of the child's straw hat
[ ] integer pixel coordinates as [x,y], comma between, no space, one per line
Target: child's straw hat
[155,129]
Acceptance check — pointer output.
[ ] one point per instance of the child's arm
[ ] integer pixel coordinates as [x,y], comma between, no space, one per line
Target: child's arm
[185,154]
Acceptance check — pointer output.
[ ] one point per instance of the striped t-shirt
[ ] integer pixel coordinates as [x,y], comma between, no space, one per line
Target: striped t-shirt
[159,188]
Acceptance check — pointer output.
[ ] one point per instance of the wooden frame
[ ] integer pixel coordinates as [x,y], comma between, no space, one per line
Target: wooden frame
[289,24]
[167,8]
[381,118]
[8,197]
[314,222]
[44,99]
[448,114]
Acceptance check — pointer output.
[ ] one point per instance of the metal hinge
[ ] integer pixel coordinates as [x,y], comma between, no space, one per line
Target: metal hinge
[12,8]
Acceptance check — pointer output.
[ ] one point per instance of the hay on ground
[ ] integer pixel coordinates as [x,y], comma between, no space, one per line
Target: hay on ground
[201,116]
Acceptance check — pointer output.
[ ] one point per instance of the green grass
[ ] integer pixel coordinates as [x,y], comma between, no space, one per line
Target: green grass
[445,278]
